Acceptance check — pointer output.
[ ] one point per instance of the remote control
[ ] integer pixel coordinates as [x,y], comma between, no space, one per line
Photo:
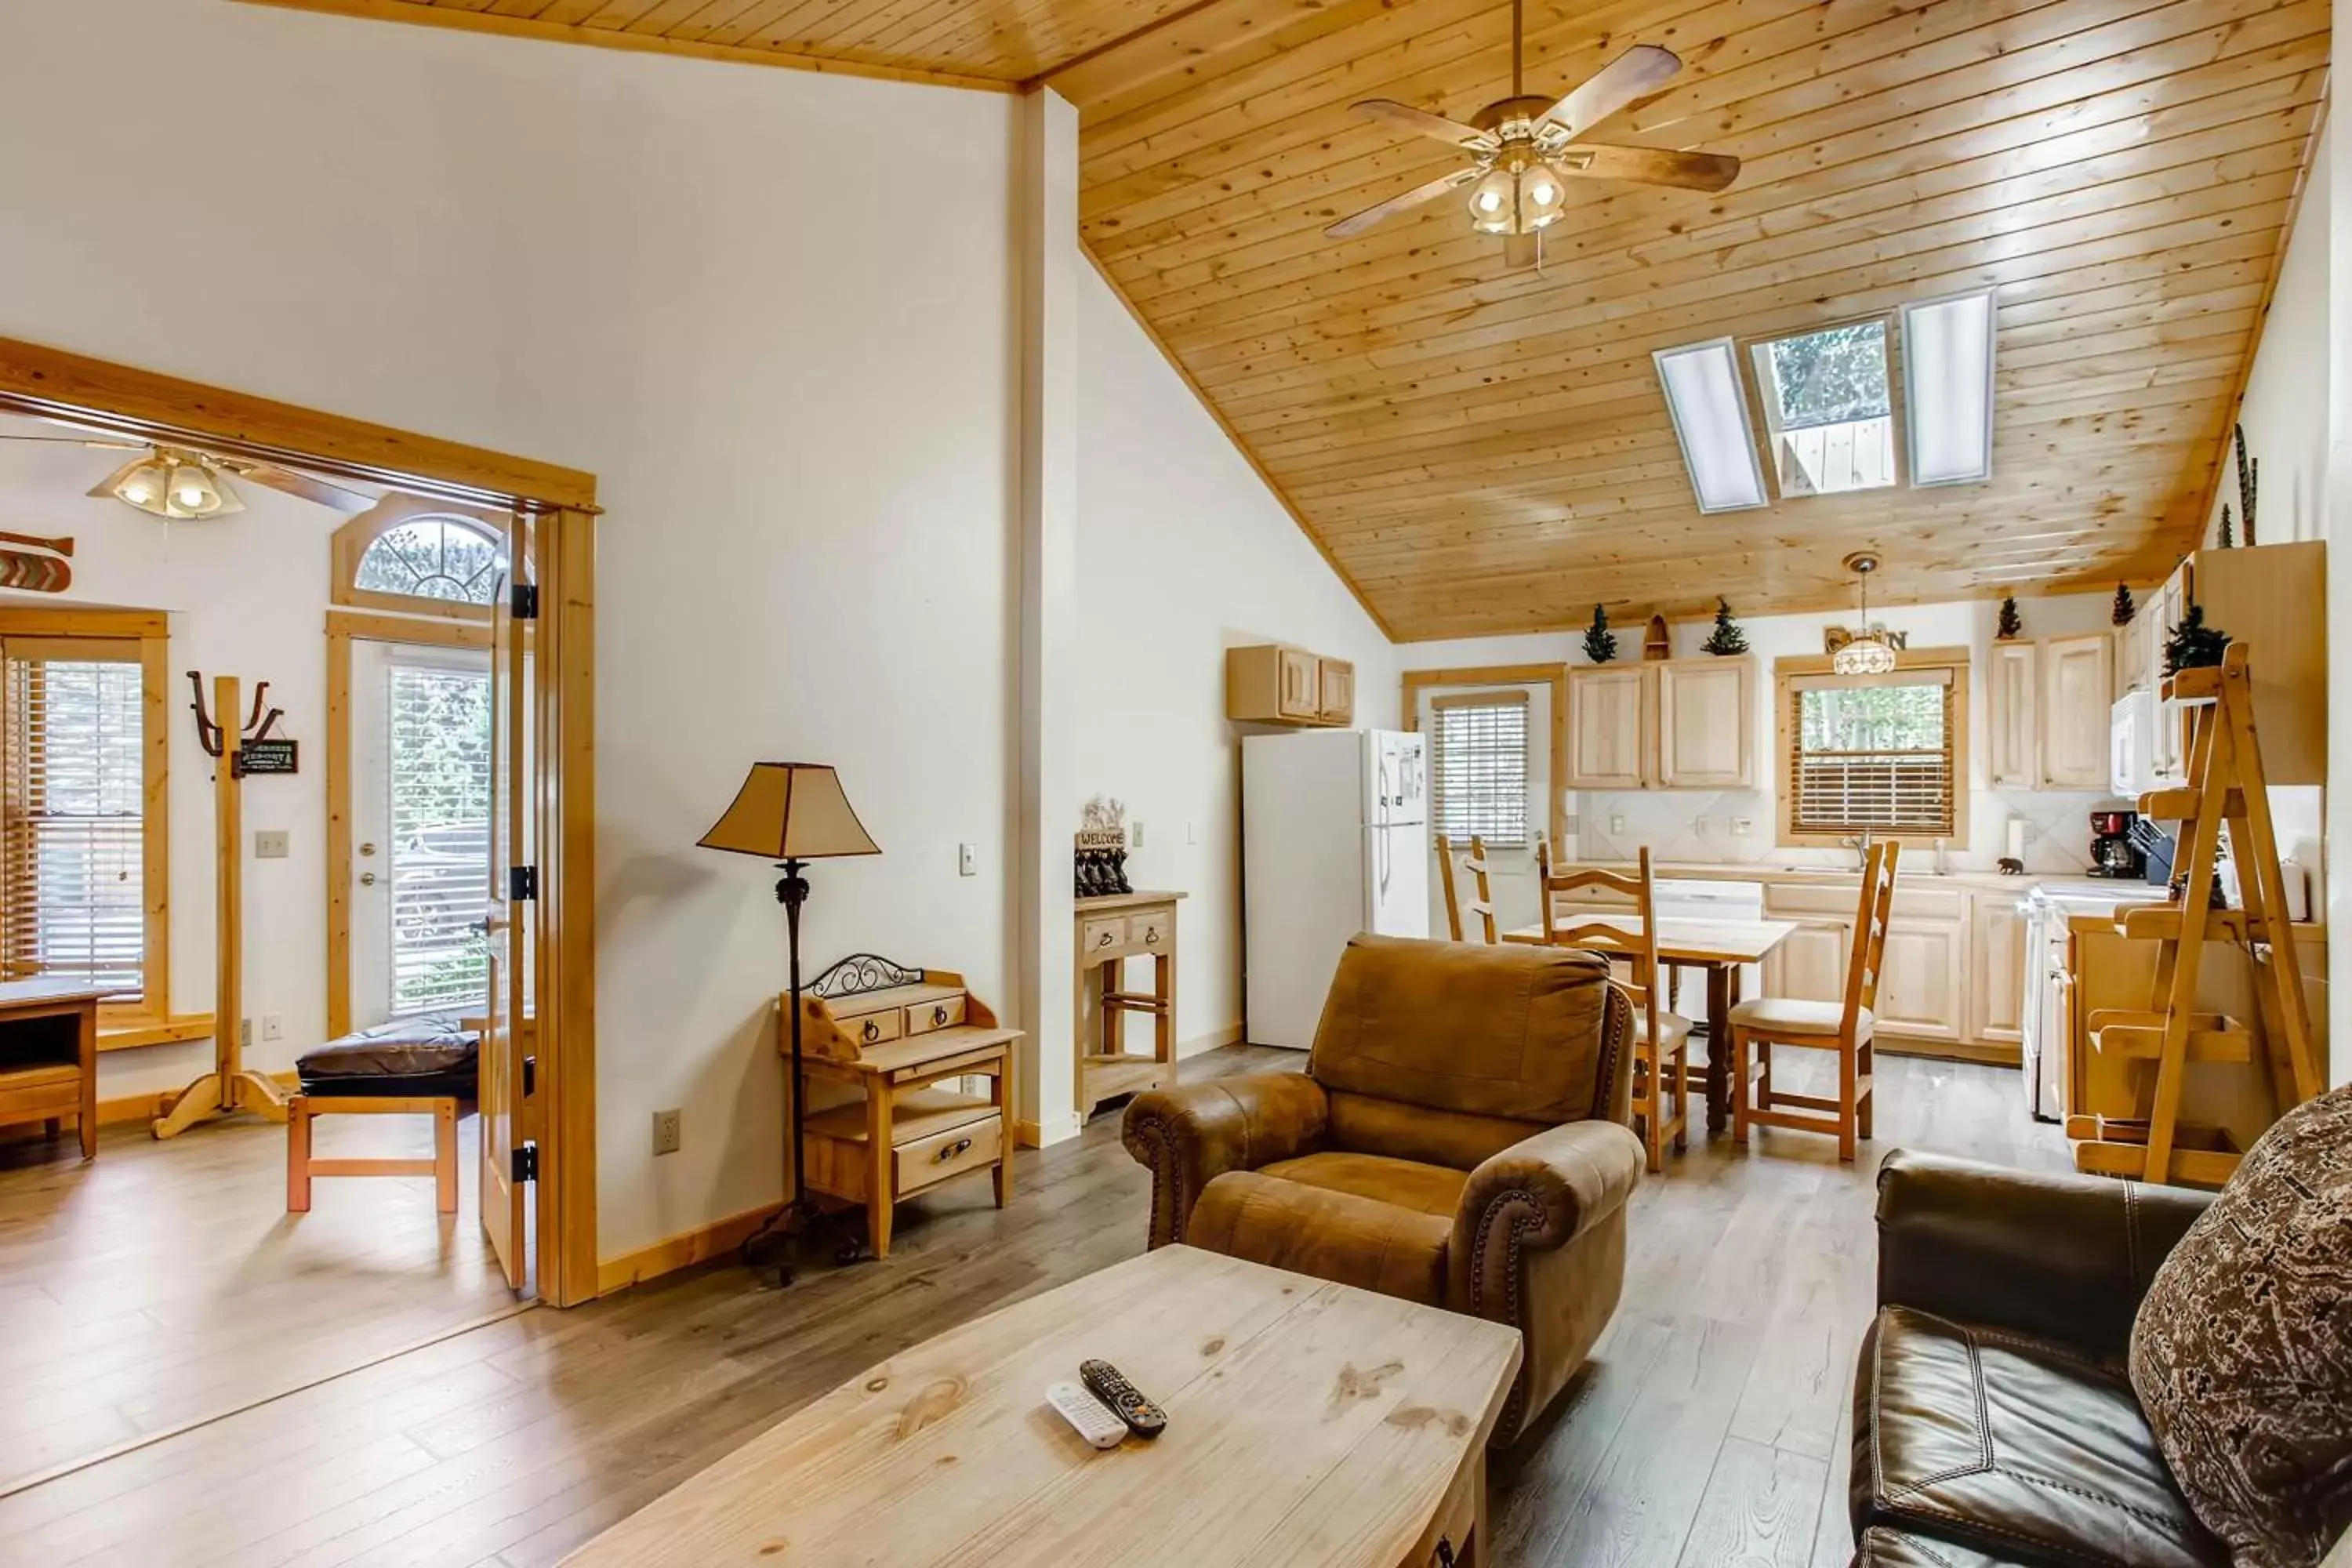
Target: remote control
[1082,1410]
[1143,1418]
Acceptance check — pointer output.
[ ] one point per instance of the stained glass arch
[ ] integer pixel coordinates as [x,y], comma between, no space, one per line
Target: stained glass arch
[433,557]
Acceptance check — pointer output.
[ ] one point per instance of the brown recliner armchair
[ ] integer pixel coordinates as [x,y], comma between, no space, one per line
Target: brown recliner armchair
[1459,1137]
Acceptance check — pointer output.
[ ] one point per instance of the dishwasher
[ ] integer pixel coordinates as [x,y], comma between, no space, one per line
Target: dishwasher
[1696,899]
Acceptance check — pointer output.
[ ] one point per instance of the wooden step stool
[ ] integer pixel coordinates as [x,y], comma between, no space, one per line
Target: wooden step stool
[301,1167]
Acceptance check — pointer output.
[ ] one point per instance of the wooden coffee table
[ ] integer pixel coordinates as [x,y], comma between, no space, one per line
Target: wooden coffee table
[1308,1423]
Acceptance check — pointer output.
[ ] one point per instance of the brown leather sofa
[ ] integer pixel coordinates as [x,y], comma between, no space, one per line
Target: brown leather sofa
[1459,1137]
[1993,1424]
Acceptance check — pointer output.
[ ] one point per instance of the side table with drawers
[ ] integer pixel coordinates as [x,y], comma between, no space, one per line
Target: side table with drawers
[1111,930]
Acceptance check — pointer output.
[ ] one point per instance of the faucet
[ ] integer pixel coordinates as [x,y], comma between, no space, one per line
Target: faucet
[1861,848]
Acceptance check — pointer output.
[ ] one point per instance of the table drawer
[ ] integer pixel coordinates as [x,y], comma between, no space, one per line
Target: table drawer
[872,1028]
[924,1017]
[1154,931]
[929,1161]
[1102,935]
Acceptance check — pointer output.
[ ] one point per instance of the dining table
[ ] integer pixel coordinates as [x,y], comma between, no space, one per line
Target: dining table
[1720,948]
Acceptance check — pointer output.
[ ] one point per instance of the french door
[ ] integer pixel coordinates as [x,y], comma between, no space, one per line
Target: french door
[511,907]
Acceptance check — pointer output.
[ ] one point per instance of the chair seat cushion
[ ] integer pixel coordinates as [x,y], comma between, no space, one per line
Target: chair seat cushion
[1331,1234]
[1789,1016]
[1673,1028]
[2014,1446]
[1899,1549]
[430,1053]
[1408,1183]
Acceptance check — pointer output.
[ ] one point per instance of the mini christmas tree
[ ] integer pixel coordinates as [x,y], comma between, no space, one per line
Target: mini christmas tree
[2194,645]
[2228,537]
[1600,642]
[2249,472]
[1727,638]
[2124,609]
[2011,624]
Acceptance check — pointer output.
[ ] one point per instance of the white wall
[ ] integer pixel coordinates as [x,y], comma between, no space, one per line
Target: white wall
[1699,825]
[246,595]
[799,404]
[1183,552]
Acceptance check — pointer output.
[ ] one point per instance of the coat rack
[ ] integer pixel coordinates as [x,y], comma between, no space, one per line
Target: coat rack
[230,1087]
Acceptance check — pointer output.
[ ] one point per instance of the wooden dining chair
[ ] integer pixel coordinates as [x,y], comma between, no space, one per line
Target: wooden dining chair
[1483,906]
[1630,936]
[1845,1028]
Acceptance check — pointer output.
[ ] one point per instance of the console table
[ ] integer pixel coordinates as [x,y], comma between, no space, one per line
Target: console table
[48,1054]
[1111,930]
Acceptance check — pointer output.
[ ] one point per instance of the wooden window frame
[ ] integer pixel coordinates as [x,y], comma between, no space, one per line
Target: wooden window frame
[1553,676]
[352,539]
[1759,413]
[1485,697]
[150,1021]
[1789,668]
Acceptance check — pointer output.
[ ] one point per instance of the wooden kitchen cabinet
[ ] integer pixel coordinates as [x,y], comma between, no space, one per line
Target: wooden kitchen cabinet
[1997,970]
[2075,710]
[1336,682]
[1679,723]
[1707,723]
[1274,683]
[1923,974]
[2014,698]
[1608,726]
[1810,964]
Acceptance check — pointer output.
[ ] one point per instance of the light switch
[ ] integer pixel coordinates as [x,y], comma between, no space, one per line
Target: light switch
[270,844]
[1135,834]
[967,859]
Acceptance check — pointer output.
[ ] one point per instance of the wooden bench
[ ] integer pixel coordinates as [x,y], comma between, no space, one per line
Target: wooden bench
[301,1167]
[410,1067]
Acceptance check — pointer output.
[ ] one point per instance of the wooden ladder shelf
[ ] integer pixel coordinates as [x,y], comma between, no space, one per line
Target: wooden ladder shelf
[2225,786]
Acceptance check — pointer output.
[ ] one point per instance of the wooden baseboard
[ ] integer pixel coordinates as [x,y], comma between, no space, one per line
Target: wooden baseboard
[673,1253]
[1231,1035]
[1990,1054]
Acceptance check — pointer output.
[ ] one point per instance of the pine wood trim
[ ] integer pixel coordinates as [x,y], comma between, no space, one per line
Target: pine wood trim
[1554,675]
[350,543]
[1958,660]
[683,1250]
[637,43]
[564,1110]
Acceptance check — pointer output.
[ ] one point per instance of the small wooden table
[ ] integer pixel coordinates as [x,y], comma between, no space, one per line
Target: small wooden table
[60,1078]
[1719,947]
[1309,1425]
[1111,929]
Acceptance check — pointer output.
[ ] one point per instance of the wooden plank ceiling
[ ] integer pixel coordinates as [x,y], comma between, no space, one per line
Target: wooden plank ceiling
[1480,450]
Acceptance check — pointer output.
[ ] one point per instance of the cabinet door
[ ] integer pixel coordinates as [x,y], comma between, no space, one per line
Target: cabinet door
[1337,703]
[2014,692]
[2075,711]
[1810,964]
[1707,723]
[2167,755]
[1608,729]
[1996,971]
[1302,684]
[1920,979]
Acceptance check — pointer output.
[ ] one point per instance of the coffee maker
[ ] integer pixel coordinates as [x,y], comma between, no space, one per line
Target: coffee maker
[2113,853]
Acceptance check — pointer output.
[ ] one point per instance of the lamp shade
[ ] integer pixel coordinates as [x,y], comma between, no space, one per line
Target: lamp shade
[790,811]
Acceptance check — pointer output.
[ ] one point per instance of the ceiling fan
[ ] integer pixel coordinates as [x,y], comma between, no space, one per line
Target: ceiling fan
[181,483]
[1524,151]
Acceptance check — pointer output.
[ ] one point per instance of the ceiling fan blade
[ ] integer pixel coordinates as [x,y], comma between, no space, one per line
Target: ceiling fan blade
[1347,228]
[1522,250]
[80,441]
[302,486]
[1421,122]
[1640,70]
[1649,166]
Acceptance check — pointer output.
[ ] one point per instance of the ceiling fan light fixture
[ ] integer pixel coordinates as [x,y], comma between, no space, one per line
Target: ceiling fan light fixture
[192,490]
[145,485]
[1495,203]
[1543,196]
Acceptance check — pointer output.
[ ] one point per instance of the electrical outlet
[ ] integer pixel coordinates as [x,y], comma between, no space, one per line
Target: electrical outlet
[1135,834]
[271,844]
[1741,826]
[1573,823]
[667,1134]
[273,1026]
[967,859]
[244,1033]
[1616,823]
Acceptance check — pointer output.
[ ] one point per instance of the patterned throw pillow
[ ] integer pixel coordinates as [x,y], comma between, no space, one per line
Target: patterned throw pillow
[2242,1353]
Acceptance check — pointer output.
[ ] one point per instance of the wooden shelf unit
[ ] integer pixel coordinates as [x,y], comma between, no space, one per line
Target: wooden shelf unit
[1110,930]
[1275,683]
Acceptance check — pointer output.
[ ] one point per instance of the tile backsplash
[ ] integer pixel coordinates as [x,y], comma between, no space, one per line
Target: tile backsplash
[1689,826]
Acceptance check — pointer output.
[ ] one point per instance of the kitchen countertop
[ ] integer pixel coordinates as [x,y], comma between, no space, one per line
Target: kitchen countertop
[1836,875]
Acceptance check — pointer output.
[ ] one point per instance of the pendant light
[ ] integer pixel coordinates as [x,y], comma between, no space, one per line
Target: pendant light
[1867,651]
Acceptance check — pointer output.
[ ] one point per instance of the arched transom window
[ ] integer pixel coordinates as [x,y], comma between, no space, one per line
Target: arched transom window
[434,557]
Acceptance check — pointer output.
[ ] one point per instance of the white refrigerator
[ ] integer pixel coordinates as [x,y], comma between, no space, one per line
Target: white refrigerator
[1335,840]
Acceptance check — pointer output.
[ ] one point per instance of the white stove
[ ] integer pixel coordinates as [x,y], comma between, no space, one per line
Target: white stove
[2047,907]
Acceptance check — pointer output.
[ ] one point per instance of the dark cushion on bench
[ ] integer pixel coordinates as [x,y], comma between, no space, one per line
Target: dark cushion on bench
[428,1054]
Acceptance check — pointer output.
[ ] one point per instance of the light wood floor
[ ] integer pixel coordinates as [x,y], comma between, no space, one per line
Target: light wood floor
[162,1283]
[1710,1432]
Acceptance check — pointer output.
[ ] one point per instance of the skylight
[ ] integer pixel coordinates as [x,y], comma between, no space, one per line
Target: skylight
[1947,388]
[1710,414]
[1829,409]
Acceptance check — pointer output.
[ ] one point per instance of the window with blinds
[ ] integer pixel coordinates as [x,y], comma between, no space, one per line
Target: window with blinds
[1874,751]
[73,840]
[440,789]
[1478,767]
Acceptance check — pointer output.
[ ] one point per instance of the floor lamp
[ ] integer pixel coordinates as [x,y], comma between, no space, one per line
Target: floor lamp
[791,812]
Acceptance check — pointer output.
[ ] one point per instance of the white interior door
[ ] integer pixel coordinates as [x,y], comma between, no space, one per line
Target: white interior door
[421,793]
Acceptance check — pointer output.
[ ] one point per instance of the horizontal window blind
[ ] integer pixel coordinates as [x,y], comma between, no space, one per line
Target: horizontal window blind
[440,752]
[1479,767]
[1873,753]
[73,839]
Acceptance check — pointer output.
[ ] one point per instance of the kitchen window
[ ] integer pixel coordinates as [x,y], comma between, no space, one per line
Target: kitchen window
[1478,767]
[1883,754]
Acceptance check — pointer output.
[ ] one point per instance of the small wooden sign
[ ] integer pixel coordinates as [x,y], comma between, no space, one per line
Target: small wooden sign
[266,757]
